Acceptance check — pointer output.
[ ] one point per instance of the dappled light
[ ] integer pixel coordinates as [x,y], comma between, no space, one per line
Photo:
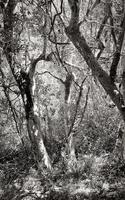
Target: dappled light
[62,100]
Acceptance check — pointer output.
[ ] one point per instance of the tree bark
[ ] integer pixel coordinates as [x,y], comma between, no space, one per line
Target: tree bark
[76,37]
[72,160]
[81,45]
[26,84]
[79,42]
[33,122]
[68,130]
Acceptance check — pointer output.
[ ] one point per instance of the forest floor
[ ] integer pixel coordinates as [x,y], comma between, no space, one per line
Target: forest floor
[19,180]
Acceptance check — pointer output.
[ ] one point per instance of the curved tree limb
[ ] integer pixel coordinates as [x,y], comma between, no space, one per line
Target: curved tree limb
[81,45]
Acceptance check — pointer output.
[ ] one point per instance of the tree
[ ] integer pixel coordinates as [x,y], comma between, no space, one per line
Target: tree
[56,25]
[78,39]
[25,81]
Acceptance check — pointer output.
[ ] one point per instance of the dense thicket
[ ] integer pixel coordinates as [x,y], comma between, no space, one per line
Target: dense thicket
[62,102]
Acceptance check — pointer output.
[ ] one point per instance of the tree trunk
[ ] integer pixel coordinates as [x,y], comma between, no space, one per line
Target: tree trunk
[110,88]
[69,135]
[72,161]
[26,84]
[35,135]
[74,34]
[33,121]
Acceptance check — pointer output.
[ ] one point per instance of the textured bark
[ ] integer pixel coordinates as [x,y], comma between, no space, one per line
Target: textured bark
[74,34]
[26,84]
[68,129]
[72,160]
[79,42]
[33,123]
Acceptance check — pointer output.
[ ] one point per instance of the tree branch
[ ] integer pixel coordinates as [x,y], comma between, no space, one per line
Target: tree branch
[35,61]
[14,114]
[81,45]
[102,26]
[59,79]
[93,6]
[76,107]
[117,54]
